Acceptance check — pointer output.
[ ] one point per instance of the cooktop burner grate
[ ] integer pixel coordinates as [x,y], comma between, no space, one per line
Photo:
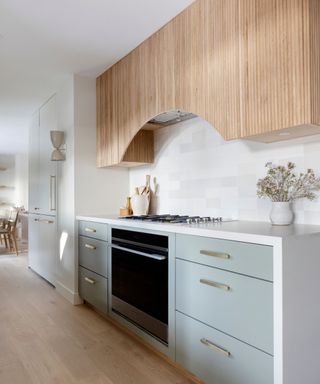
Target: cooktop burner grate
[176,219]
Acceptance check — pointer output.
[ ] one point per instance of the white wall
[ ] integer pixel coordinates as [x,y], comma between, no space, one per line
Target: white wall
[199,173]
[98,190]
[82,188]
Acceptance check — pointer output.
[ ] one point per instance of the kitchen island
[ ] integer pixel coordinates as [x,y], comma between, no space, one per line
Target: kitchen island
[241,299]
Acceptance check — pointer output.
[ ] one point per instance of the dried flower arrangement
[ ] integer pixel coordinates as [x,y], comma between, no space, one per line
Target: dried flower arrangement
[282,185]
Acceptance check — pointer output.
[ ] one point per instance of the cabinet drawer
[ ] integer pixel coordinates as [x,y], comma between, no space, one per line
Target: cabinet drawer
[196,351]
[95,230]
[235,304]
[249,259]
[94,289]
[93,255]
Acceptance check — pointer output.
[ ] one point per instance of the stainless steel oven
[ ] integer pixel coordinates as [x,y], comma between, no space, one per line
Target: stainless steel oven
[140,280]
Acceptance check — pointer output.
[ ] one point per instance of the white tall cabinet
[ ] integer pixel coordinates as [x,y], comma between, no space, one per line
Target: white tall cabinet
[43,172]
[42,193]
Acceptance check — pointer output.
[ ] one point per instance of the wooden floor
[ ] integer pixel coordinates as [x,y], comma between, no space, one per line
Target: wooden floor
[44,339]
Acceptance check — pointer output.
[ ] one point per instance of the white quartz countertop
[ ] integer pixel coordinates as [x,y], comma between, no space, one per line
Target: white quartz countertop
[248,231]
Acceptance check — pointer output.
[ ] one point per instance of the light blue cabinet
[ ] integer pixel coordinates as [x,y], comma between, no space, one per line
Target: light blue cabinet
[94,289]
[93,264]
[238,305]
[224,310]
[93,255]
[246,258]
[217,358]
[95,230]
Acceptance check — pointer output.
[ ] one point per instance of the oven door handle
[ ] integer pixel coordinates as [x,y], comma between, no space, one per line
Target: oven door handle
[151,256]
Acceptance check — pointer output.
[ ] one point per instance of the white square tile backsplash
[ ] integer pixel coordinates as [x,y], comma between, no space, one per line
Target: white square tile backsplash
[201,174]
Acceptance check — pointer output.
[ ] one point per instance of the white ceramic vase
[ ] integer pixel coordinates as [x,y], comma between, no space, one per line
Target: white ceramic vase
[281,213]
[140,204]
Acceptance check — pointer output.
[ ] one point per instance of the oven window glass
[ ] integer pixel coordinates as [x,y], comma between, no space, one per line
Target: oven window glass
[141,282]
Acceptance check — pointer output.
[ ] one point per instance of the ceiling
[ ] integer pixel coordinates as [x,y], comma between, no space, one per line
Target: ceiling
[42,41]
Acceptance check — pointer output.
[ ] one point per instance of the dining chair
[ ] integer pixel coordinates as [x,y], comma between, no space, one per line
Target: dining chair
[5,214]
[8,232]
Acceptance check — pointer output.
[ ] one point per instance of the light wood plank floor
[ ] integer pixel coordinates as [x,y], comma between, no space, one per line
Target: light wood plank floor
[44,339]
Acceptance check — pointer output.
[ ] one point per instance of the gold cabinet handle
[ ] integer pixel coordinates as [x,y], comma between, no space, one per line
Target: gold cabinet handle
[215,284]
[215,347]
[89,246]
[90,281]
[90,230]
[221,255]
[44,221]
[53,187]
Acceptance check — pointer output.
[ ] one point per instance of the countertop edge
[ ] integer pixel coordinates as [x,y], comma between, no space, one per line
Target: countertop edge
[217,230]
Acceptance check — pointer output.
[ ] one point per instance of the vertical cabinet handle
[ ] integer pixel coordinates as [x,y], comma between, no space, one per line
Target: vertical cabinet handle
[90,281]
[53,186]
[89,246]
[215,347]
[215,284]
[220,255]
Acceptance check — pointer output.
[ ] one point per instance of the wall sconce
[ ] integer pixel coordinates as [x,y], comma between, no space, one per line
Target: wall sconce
[57,140]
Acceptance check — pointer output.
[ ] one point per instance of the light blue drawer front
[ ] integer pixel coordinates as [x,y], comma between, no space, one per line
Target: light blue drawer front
[94,289]
[93,255]
[245,365]
[94,230]
[249,259]
[238,305]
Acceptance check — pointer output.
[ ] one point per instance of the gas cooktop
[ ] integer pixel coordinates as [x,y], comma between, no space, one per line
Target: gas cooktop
[176,219]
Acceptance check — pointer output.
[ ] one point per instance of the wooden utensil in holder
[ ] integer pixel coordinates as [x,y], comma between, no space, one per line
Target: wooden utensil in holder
[140,201]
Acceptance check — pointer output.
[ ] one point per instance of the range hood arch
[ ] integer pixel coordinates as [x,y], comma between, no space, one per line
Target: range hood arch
[191,64]
[140,150]
[220,60]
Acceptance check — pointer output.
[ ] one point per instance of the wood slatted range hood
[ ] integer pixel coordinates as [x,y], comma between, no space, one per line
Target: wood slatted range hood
[251,68]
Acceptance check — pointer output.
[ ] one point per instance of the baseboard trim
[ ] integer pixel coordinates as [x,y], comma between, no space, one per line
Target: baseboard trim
[68,294]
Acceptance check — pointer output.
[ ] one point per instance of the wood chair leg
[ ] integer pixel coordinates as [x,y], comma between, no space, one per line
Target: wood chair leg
[6,241]
[14,242]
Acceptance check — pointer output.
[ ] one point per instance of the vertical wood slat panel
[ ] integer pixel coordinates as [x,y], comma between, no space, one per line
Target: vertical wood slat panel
[173,70]
[274,69]
[248,67]
[315,60]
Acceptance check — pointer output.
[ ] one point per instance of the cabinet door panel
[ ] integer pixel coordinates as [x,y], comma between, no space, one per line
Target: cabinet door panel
[196,352]
[42,246]
[93,255]
[249,259]
[238,305]
[47,168]
[95,230]
[274,65]
[34,163]
[94,289]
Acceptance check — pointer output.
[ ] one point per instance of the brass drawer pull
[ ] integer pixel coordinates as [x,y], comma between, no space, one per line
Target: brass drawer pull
[215,347]
[89,246]
[221,255]
[44,221]
[90,281]
[215,284]
[90,230]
